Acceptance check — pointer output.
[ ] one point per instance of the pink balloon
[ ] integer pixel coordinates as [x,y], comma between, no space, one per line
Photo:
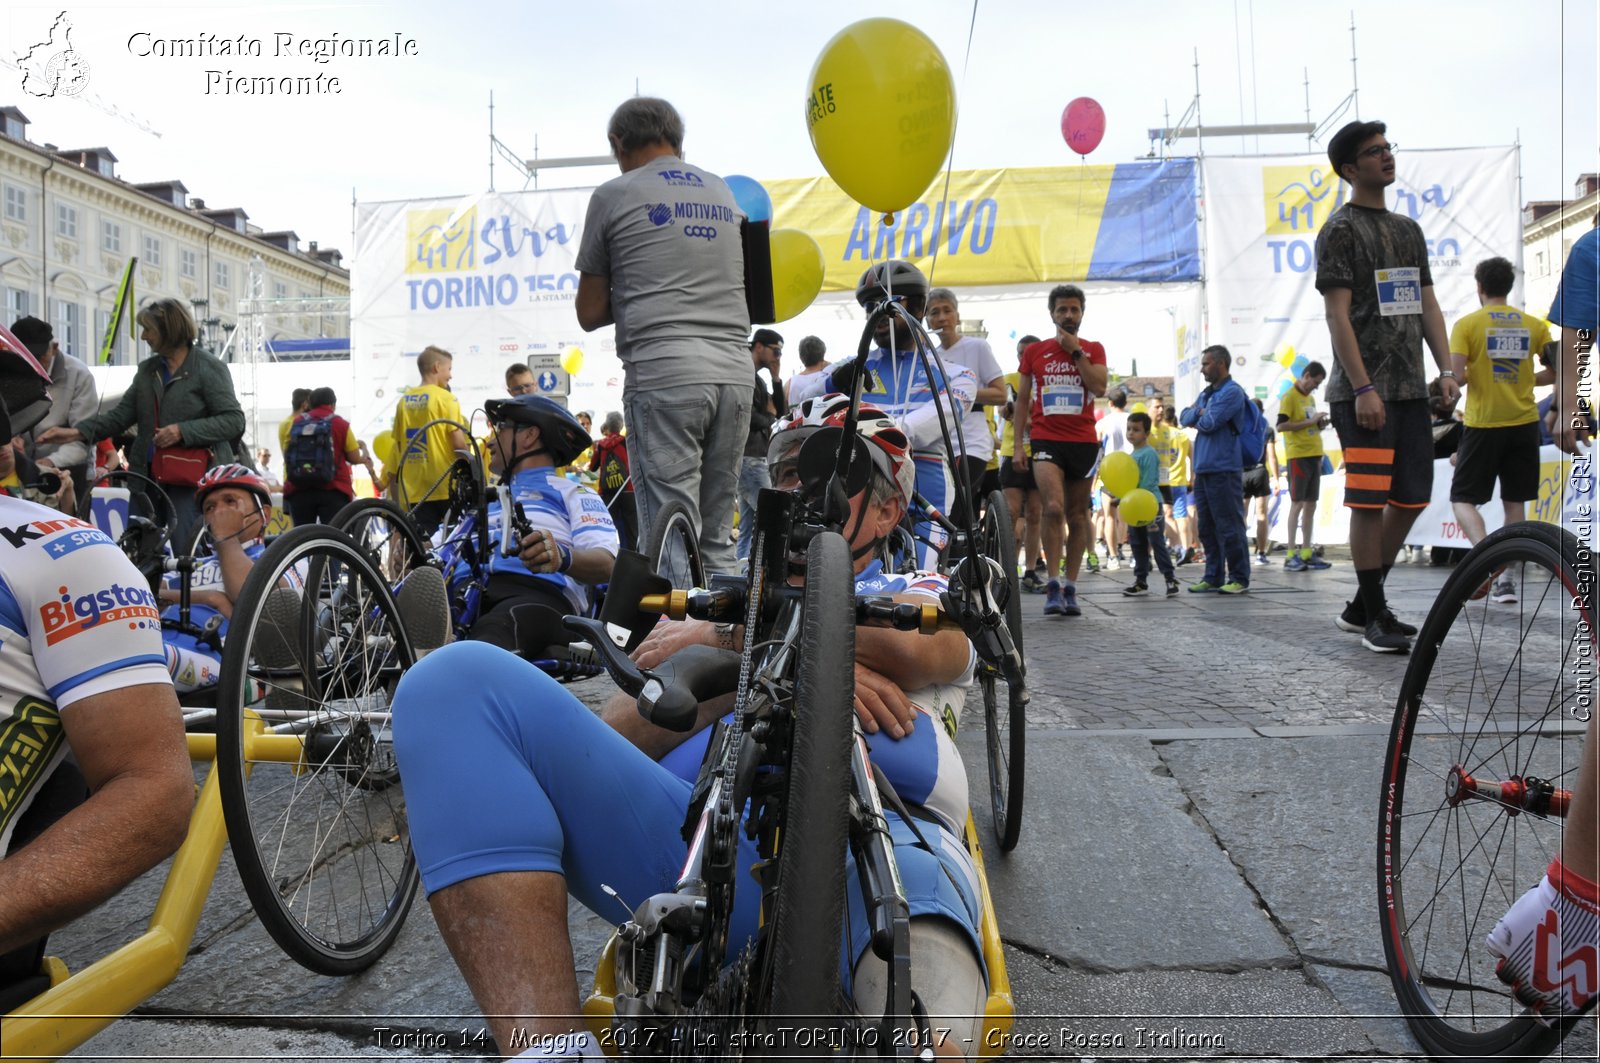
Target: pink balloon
[1083,123]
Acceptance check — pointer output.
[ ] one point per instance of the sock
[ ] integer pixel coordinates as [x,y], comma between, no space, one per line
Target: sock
[1370,591]
[1574,885]
[1386,569]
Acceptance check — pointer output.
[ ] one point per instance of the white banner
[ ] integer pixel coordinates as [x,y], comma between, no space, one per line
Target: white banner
[491,279]
[1262,216]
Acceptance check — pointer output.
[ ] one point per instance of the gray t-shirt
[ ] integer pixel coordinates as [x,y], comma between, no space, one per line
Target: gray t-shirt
[978,356]
[667,237]
[1383,259]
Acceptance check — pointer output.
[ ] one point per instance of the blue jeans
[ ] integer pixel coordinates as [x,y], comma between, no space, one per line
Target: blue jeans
[1151,537]
[684,444]
[1219,496]
[753,478]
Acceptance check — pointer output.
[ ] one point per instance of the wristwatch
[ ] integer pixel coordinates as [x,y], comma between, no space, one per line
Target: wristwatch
[1447,374]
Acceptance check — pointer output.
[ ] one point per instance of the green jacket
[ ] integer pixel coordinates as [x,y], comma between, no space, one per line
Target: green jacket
[199,399]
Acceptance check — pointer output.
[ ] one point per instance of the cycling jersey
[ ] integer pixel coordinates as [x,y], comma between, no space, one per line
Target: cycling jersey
[574,515]
[192,664]
[76,620]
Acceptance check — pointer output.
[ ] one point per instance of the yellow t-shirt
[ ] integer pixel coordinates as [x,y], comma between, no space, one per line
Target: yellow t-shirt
[1178,472]
[1303,442]
[1501,345]
[1166,448]
[423,466]
[1008,433]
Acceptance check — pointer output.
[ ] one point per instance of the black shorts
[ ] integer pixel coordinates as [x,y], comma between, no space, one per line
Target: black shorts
[1012,480]
[1392,466]
[1077,461]
[1257,484]
[1166,494]
[1305,479]
[1509,454]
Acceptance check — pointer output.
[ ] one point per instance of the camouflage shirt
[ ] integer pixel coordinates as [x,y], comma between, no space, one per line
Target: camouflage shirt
[1383,259]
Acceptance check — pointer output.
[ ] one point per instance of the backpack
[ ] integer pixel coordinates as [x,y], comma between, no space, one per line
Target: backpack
[1252,433]
[309,461]
[613,468]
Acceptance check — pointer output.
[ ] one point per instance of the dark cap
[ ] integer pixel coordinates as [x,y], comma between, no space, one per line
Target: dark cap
[36,335]
[766,337]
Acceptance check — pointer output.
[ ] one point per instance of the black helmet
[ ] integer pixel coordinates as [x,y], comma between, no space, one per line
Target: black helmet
[896,276]
[563,437]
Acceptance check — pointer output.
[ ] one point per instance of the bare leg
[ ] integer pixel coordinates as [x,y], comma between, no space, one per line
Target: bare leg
[1032,522]
[1397,522]
[1580,842]
[1292,527]
[508,934]
[1308,513]
[1471,521]
[1080,529]
[1050,479]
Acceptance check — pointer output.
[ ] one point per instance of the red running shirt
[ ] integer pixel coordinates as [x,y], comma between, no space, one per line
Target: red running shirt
[1062,410]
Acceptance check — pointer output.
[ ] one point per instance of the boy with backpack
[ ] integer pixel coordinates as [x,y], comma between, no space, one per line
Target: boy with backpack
[1228,425]
[317,459]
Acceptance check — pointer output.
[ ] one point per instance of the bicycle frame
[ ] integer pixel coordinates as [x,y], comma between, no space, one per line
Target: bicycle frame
[78,1006]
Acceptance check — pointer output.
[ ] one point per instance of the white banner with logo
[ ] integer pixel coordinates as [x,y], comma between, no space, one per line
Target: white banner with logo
[489,278]
[1262,215]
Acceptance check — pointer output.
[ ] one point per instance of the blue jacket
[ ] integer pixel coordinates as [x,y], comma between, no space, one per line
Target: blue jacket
[1215,415]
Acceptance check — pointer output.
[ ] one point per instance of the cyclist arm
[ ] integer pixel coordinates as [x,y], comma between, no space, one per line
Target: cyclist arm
[593,302]
[130,745]
[911,659]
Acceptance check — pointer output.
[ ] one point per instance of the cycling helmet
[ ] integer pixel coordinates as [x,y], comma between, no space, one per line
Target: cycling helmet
[895,276]
[891,453]
[560,433]
[231,475]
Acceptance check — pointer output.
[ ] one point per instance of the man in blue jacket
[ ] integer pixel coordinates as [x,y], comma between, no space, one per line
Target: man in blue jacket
[1219,475]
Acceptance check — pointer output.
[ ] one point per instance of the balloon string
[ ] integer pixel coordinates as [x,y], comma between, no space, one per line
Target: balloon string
[950,161]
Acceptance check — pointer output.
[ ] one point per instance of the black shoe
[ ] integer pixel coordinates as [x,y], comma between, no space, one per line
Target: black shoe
[1136,589]
[1383,635]
[1354,619]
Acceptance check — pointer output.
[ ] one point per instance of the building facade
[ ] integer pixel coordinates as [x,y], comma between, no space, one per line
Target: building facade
[1549,229]
[69,225]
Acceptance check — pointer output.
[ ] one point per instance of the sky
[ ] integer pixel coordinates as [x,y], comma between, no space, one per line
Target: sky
[1441,74]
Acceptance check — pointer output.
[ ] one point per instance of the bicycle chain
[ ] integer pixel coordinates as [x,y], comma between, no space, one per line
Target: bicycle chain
[718,1026]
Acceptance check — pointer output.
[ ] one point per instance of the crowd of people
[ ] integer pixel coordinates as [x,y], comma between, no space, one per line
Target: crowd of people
[547,785]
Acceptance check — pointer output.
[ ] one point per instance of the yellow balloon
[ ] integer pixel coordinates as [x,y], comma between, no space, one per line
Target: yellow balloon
[1139,407]
[1119,473]
[572,360]
[796,272]
[1138,507]
[882,112]
[383,447]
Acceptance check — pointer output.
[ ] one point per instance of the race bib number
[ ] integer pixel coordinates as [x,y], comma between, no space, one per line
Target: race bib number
[1399,291]
[1511,344]
[1061,400]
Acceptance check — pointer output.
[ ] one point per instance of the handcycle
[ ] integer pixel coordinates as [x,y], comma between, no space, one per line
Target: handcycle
[789,767]
[300,783]
[1478,775]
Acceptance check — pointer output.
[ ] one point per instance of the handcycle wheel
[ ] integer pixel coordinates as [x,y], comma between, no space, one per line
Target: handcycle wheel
[385,534]
[673,547]
[305,757]
[1005,709]
[1489,706]
[800,964]
[144,531]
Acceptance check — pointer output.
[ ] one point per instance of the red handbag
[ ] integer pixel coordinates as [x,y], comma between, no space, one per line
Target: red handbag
[178,466]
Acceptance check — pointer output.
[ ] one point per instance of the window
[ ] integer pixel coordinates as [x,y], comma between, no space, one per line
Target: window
[110,237]
[188,263]
[66,221]
[16,203]
[220,275]
[280,290]
[19,303]
[102,321]
[152,251]
[66,318]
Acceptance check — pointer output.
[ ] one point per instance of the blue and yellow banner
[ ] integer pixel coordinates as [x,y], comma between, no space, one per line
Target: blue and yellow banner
[1132,221]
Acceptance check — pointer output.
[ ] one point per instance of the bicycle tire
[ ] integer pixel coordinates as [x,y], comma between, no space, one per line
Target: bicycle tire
[673,547]
[321,845]
[376,524]
[806,924]
[1483,694]
[1005,725]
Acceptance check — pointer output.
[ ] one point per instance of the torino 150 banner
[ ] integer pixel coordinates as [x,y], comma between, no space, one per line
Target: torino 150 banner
[1262,216]
[489,278]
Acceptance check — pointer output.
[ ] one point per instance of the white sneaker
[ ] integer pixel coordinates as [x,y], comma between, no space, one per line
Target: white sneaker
[1112,564]
[1504,589]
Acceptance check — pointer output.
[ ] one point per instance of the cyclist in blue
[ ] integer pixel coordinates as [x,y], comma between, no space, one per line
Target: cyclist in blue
[518,794]
[569,542]
[897,384]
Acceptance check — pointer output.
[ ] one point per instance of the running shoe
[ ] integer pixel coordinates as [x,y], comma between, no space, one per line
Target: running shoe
[1136,590]
[1504,589]
[1040,573]
[1315,562]
[1069,600]
[1113,564]
[1092,560]
[1053,605]
[1383,635]
[1354,619]
[1547,944]
[1186,556]
[1202,587]
[1295,564]
[1263,559]
[1172,587]
[1233,586]
[1032,583]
